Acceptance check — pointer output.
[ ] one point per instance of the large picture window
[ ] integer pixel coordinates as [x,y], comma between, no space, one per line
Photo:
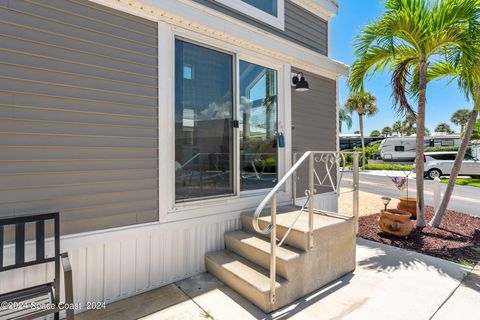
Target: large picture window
[203,122]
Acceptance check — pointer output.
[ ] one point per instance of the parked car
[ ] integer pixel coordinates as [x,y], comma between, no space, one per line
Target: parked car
[438,164]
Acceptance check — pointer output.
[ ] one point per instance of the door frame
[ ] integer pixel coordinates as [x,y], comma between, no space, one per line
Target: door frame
[166,66]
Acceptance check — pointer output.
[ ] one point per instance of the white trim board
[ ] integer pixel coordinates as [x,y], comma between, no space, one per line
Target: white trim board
[202,20]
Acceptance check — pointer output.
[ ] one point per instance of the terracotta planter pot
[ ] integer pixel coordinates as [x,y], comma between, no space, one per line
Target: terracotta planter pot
[409,205]
[396,222]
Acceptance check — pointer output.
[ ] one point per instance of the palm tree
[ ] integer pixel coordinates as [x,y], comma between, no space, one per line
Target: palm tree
[443,128]
[427,132]
[476,131]
[363,103]
[387,131]
[344,117]
[409,36]
[460,118]
[466,70]
[398,127]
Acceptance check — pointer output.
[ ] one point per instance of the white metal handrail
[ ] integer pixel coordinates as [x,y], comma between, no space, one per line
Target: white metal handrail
[331,162]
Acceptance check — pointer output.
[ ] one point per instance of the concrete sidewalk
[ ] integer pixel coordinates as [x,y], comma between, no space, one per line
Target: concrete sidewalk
[459,305]
[389,283]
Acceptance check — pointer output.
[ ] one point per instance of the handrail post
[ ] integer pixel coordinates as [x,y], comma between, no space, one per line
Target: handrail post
[294,181]
[311,189]
[273,249]
[356,190]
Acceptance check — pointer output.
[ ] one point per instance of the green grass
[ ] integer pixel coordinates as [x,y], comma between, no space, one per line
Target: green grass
[465,182]
[398,167]
[476,249]
[464,263]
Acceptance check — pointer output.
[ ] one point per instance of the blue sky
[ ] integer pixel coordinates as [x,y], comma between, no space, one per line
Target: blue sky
[442,100]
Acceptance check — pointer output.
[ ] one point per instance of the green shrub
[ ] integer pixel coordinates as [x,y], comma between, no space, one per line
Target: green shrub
[441,149]
[446,149]
[383,166]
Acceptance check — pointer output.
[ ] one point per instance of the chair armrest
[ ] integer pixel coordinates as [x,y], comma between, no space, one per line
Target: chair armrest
[68,281]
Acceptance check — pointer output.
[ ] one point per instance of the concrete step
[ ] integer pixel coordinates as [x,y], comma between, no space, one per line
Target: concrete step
[298,237]
[247,278]
[256,248]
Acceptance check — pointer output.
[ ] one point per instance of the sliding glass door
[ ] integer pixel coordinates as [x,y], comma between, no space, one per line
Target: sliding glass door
[258,129]
[207,150]
[204,143]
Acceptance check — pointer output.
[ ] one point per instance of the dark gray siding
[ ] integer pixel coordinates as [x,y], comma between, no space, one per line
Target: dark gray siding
[301,26]
[314,120]
[78,113]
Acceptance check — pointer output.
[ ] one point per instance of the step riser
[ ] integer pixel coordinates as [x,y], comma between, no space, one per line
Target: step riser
[257,298]
[258,256]
[295,238]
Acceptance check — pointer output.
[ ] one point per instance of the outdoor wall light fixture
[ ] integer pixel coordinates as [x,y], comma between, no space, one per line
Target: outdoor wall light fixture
[300,83]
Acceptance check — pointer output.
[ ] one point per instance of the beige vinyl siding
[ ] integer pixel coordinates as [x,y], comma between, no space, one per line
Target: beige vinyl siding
[314,117]
[78,113]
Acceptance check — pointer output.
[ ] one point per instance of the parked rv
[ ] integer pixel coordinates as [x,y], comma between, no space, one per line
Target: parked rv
[403,149]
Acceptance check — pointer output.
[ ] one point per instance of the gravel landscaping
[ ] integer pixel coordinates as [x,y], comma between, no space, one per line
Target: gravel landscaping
[457,239]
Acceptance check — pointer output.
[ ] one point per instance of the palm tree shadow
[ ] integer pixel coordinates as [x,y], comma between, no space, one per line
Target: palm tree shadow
[384,258]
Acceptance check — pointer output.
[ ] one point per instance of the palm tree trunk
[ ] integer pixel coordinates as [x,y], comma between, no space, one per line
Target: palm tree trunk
[420,144]
[457,165]
[360,120]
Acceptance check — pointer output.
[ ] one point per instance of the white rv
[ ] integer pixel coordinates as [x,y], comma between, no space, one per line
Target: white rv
[403,149]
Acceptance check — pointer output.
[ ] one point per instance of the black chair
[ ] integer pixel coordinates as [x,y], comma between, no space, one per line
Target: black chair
[44,299]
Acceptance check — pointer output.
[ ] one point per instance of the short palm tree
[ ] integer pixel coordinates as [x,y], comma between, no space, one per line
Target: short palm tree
[364,104]
[398,127]
[387,131]
[409,36]
[344,117]
[460,118]
[444,128]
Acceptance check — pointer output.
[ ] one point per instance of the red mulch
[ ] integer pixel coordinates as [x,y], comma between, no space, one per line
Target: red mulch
[455,240]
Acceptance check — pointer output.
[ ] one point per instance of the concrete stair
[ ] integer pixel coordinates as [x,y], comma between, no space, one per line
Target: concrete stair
[244,264]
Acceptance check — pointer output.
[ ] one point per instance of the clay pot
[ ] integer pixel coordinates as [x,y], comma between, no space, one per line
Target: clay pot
[409,205]
[396,222]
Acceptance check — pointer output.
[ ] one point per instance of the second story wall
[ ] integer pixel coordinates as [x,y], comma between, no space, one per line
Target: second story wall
[301,26]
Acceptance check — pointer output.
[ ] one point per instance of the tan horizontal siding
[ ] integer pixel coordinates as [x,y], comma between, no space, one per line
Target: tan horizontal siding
[314,121]
[78,113]
[43,101]
[69,67]
[26,113]
[49,10]
[31,41]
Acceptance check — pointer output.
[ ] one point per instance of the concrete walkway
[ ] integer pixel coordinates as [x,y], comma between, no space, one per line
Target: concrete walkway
[460,304]
[389,283]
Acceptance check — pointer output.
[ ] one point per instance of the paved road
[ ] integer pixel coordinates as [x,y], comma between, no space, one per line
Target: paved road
[465,199]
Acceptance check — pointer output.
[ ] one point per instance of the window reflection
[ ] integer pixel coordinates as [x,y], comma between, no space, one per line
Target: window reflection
[258,129]
[268,6]
[203,122]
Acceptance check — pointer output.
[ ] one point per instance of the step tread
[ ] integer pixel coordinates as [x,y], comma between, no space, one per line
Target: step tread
[284,252]
[287,214]
[244,270]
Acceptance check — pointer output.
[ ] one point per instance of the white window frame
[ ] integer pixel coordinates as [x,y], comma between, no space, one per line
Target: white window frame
[245,8]
[170,210]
